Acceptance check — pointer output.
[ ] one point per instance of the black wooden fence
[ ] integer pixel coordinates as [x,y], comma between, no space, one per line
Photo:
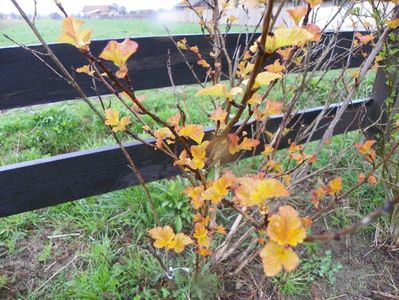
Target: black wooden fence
[26,81]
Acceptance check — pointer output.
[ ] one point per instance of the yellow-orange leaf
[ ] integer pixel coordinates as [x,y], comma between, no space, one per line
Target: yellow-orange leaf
[195,194]
[283,37]
[201,235]
[273,108]
[112,119]
[161,134]
[314,3]
[218,190]
[182,44]
[393,24]
[284,53]
[219,115]
[286,228]
[275,258]
[297,13]
[122,124]
[218,90]
[71,33]
[364,39]
[199,156]
[367,150]
[180,242]
[265,78]
[335,185]
[276,67]
[163,236]
[372,180]
[85,69]
[268,150]
[193,131]
[254,192]
[119,53]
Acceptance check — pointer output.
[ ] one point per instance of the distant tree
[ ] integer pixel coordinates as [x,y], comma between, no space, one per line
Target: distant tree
[122,11]
[55,16]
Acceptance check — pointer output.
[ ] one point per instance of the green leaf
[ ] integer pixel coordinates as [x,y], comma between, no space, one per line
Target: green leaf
[178,223]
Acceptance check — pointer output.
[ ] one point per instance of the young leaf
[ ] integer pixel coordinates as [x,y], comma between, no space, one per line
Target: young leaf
[218,90]
[297,13]
[181,241]
[163,237]
[254,192]
[193,131]
[119,53]
[285,228]
[265,78]
[275,258]
[393,24]
[283,37]
[71,33]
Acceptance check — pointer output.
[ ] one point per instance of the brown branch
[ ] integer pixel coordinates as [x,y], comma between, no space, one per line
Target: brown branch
[386,208]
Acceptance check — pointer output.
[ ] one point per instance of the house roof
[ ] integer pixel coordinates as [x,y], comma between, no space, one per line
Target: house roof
[101,8]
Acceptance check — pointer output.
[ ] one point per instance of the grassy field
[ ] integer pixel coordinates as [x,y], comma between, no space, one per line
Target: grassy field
[113,28]
[96,248]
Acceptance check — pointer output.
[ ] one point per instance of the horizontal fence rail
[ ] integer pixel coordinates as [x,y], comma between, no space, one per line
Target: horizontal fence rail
[59,179]
[25,81]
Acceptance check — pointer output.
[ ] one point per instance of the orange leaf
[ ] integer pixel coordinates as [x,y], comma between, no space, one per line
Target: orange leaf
[163,236]
[276,67]
[246,144]
[162,134]
[219,115]
[122,124]
[275,258]
[180,242]
[335,185]
[112,119]
[285,228]
[364,39]
[273,108]
[372,180]
[297,13]
[218,189]
[314,3]
[284,53]
[71,34]
[254,192]
[203,63]
[193,131]
[195,194]
[119,53]
[366,150]
[201,235]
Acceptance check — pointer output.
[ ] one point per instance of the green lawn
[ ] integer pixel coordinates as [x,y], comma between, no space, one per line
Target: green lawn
[103,28]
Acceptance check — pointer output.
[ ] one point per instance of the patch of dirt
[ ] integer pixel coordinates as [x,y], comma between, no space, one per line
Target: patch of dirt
[368,271]
[23,268]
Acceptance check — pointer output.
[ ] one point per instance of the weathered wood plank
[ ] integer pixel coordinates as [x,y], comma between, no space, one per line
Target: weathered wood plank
[25,81]
[50,181]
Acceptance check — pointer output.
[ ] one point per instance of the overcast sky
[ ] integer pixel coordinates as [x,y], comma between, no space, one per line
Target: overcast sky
[74,6]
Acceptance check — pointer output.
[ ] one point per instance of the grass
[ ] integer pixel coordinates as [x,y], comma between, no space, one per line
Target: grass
[103,248]
[102,29]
